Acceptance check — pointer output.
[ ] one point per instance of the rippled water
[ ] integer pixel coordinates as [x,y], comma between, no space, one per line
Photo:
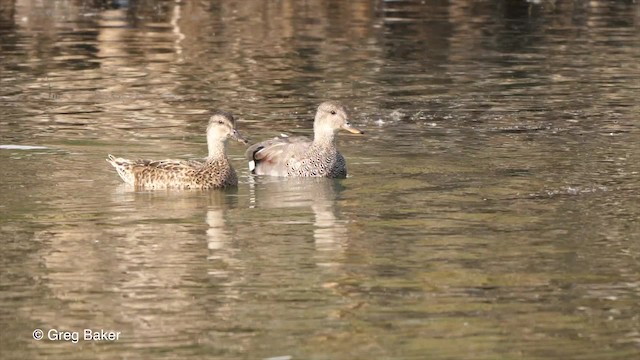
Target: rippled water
[491,210]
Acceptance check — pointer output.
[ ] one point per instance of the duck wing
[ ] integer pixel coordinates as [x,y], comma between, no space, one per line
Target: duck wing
[271,157]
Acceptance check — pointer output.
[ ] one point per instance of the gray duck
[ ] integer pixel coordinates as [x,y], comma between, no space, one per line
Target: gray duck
[302,157]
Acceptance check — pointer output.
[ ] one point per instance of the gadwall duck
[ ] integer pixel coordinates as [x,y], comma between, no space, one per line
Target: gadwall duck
[215,172]
[301,157]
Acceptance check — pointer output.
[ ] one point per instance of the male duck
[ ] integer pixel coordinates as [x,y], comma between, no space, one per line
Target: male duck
[215,172]
[300,157]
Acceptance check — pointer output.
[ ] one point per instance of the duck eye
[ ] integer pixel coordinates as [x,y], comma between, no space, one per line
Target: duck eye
[220,122]
[333,112]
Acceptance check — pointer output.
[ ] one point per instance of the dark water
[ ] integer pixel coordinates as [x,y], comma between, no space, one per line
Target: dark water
[491,211]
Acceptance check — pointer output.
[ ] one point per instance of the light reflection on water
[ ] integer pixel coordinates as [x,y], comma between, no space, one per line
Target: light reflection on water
[490,212]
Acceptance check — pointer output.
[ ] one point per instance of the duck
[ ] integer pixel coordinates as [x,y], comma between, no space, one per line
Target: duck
[215,172]
[286,156]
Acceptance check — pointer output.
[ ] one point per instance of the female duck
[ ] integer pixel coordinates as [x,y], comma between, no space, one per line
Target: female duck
[215,172]
[298,156]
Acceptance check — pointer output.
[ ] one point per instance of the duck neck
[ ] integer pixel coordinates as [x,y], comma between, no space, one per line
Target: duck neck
[324,138]
[217,148]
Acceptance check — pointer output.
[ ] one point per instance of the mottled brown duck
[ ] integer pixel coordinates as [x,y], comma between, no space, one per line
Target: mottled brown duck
[214,173]
[302,157]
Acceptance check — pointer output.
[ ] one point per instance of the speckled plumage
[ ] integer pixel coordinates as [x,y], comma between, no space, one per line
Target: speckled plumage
[177,174]
[301,157]
[214,173]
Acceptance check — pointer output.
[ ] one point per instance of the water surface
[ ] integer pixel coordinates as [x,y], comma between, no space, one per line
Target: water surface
[491,210]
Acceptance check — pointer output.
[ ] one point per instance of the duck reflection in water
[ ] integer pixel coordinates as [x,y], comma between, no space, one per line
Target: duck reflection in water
[319,194]
[219,235]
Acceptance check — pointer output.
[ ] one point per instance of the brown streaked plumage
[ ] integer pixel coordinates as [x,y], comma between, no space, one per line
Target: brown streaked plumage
[301,157]
[215,172]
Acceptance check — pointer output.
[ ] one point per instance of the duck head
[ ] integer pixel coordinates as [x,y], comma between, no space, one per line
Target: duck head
[222,126]
[332,115]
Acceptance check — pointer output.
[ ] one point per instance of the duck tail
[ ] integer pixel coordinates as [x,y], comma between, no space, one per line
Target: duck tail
[111,160]
[253,161]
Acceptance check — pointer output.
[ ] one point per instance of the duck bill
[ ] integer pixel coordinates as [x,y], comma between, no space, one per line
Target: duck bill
[351,129]
[239,138]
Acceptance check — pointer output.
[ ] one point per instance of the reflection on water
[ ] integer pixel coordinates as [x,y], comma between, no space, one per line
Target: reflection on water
[491,210]
[330,233]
